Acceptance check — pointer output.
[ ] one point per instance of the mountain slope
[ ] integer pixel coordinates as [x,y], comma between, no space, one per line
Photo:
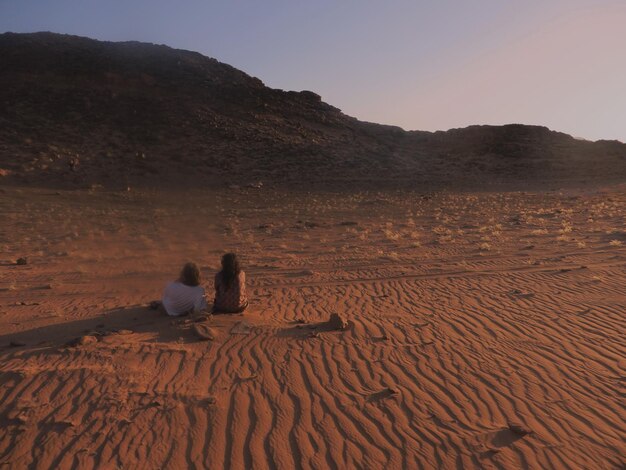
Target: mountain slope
[79,111]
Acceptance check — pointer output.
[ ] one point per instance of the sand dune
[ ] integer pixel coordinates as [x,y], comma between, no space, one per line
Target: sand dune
[486,330]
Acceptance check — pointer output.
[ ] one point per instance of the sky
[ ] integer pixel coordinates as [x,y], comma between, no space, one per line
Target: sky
[427,65]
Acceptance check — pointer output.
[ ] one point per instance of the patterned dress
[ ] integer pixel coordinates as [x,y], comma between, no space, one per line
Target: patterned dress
[230,298]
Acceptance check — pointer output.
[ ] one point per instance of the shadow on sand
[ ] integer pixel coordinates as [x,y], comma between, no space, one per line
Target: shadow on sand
[152,325]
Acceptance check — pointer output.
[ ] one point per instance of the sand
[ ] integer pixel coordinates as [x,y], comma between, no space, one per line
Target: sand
[484,330]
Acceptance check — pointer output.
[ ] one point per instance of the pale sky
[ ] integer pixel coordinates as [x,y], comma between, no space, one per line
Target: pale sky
[425,65]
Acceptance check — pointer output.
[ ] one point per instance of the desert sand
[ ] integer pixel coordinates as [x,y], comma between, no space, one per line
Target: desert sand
[485,330]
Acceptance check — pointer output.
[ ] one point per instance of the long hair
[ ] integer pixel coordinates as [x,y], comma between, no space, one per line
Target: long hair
[230,268]
[190,275]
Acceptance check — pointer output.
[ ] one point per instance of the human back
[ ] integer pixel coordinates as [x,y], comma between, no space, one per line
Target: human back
[185,295]
[230,286]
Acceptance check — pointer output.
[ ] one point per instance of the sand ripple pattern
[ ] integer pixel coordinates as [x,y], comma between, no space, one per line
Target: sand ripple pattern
[492,363]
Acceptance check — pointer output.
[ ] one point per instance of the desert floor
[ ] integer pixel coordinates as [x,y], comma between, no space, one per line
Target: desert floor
[487,330]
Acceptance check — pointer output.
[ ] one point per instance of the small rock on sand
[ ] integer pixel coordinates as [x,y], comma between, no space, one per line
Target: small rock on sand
[336,322]
[81,341]
[204,332]
[384,393]
[519,428]
[122,332]
[202,318]
[21,261]
[209,401]
[241,328]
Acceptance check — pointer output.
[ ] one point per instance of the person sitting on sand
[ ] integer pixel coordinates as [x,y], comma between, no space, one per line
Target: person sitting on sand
[185,295]
[230,287]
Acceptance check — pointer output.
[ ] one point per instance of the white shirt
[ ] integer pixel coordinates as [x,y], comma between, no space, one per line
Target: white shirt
[179,298]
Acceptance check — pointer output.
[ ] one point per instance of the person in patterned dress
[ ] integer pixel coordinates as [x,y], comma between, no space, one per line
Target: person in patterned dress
[230,287]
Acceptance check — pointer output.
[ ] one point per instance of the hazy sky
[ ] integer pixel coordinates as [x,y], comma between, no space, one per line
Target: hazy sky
[417,64]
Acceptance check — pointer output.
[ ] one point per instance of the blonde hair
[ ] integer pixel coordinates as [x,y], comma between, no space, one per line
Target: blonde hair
[190,275]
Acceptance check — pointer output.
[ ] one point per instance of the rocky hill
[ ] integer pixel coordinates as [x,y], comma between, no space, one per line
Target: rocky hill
[75,111]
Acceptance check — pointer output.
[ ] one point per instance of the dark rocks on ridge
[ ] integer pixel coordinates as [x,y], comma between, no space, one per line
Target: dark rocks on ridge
[141,115]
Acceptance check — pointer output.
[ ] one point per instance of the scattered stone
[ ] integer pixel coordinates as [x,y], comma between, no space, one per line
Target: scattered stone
[21,261]
[384,393]
[122,332]
[241,328]
[204,317]
[336,322]
[204,332]
[16,344]
[65,423]
[210,401]
[518,428]
[18,416]
[154,305]
[81,341]
[87,339]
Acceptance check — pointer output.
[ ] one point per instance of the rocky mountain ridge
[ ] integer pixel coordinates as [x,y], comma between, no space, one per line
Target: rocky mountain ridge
[76,111]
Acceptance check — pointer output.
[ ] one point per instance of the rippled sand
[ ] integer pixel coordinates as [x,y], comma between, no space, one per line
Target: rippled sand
[486,330]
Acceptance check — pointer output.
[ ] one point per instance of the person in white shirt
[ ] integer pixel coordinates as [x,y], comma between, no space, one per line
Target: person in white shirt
[185,295]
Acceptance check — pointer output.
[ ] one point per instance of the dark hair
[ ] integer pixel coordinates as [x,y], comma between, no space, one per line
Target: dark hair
[190,275]
[230,268]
